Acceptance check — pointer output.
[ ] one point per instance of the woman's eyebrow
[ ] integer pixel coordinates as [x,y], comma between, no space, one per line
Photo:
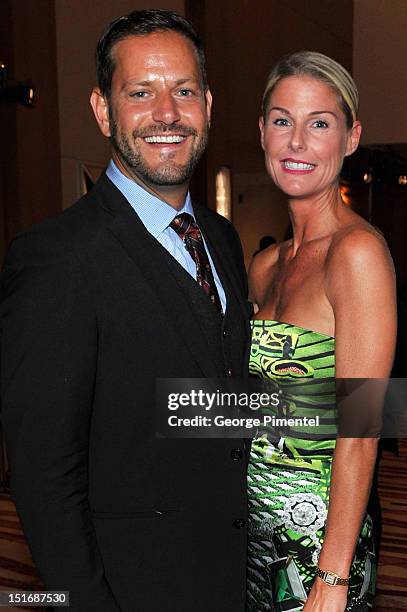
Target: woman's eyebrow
[322,112]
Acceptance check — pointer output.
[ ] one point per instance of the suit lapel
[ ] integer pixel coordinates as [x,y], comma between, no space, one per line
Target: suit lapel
[152,262]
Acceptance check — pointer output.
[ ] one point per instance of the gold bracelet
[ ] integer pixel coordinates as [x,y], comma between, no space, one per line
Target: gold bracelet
[331,578]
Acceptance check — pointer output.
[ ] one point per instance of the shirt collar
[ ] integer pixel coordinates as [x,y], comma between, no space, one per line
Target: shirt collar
[155,214]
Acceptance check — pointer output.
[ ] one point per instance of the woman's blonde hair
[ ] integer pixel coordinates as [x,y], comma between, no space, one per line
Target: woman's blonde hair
[321,67]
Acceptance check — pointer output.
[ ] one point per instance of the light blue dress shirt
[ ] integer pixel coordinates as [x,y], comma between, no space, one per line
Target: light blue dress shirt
[156,217]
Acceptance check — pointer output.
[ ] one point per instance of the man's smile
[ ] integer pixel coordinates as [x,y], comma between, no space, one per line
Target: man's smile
[170,139]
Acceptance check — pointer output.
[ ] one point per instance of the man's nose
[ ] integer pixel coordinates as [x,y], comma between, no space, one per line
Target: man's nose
[298,141]
[166,109]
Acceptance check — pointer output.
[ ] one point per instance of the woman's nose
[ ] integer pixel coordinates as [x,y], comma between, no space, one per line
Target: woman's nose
[298,139]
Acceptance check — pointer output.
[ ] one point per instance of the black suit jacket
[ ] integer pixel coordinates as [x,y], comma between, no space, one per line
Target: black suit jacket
[93,310]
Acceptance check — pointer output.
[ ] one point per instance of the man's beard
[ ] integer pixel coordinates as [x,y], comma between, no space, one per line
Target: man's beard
[167,173]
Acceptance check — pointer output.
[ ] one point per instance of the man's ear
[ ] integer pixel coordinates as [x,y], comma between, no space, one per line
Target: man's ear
[101,111]
[353,138]
[208,101]
[261,126]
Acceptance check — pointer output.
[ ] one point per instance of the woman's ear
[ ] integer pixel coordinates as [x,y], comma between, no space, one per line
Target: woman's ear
[261,126]
[353,138]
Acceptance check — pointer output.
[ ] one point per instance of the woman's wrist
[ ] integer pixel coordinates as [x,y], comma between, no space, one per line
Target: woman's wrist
[335,562]
[332,578]
[321,586]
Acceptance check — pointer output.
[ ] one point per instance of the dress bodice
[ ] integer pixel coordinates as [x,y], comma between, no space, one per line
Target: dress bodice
[283,350]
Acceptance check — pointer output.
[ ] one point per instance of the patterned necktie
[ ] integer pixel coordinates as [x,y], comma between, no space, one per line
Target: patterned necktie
[190,234]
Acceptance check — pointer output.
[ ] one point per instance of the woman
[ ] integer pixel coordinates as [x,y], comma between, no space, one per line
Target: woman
[323,300]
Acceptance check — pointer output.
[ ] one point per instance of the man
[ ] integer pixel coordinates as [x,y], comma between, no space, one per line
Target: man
[98,303]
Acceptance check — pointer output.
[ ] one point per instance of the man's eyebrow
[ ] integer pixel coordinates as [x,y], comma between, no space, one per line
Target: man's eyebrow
[188,79]
[134,83]
[147,83]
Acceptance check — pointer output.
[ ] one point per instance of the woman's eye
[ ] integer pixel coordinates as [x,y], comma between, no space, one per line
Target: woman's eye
[281,121]
[320,124]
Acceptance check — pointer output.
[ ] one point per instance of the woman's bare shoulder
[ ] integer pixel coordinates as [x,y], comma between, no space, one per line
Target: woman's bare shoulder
[358,264]
[358,242]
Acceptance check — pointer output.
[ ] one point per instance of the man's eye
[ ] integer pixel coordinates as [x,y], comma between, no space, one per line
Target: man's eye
[281,121]
[185,92]
[138,94]
[320,124]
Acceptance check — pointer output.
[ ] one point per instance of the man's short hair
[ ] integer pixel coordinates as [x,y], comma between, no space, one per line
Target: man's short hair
[141,23]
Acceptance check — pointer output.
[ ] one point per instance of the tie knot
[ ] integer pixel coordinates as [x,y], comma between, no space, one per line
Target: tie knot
[184,225]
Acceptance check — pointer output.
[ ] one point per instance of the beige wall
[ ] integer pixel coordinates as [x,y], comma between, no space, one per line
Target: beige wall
[79,24]
[379,55]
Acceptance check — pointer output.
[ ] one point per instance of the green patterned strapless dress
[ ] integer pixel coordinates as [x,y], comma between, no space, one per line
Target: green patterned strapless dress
[289,477]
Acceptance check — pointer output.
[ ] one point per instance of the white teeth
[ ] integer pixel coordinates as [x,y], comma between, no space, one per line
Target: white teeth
[298,165]
[164,139]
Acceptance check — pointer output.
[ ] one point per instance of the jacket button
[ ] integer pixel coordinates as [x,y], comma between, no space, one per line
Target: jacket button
[224,333]
[229,372]
[236,454]
[239,523]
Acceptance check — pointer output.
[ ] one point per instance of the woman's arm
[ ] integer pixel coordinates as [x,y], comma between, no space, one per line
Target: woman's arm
[360,285]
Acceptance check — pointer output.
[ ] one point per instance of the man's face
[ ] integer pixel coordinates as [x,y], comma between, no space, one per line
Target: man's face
[158,112]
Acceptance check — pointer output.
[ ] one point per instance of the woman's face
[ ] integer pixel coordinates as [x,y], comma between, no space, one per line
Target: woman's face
[305,136]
